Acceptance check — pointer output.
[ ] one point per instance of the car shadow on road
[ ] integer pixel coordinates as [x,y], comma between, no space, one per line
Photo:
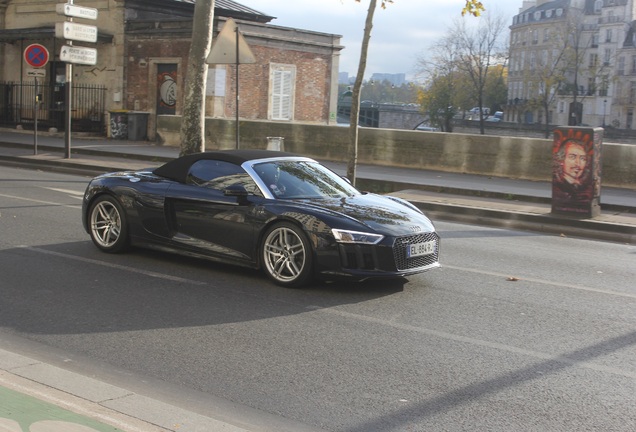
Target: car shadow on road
[72,288]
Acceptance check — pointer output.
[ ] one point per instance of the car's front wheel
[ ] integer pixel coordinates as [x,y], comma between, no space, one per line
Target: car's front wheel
[107,223]
[286,255]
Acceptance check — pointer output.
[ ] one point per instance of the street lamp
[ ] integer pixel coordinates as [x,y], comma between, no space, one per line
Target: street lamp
[604,108]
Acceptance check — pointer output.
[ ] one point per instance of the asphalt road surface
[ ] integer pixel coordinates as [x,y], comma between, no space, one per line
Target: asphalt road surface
[517,331]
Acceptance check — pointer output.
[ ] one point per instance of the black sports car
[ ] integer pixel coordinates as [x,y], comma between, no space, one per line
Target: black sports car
[286,214]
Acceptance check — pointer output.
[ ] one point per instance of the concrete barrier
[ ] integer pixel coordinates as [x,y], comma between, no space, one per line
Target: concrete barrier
[498,156]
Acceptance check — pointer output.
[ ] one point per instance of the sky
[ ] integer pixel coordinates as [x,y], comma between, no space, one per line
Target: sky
[401,33]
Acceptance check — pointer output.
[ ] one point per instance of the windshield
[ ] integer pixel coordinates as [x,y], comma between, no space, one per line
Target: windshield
[292,179]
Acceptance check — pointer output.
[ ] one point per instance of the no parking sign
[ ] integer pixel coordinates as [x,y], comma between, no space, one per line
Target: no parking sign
[36,55]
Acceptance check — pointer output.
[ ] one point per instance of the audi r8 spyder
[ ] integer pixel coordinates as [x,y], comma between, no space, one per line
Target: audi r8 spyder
[288,215]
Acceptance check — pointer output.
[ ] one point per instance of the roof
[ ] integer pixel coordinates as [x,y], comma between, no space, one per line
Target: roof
[232,9]
[177,169]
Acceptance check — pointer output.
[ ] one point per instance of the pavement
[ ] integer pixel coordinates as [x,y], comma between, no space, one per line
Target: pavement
[40,396]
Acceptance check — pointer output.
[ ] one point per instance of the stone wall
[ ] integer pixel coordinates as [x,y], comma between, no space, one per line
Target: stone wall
[499,156]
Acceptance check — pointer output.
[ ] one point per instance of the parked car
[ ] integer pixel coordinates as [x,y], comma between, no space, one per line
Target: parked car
[288,215]
[427,128]
[496,117]
[475,110]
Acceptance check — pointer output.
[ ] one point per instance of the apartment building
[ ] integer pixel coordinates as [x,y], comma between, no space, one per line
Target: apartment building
[573,62]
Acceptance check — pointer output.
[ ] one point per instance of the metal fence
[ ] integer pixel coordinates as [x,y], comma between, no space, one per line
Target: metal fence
[18,106]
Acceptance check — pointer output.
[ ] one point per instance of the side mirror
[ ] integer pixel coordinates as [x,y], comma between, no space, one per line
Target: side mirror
[236,190]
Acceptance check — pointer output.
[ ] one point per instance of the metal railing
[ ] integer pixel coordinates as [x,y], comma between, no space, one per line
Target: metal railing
[18,106]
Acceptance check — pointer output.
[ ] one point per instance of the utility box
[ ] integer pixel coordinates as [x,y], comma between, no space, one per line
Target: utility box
[276,143]
[137,125]
[576,171]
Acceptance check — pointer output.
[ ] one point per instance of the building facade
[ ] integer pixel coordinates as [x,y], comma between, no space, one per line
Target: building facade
[573,62]
[142,57]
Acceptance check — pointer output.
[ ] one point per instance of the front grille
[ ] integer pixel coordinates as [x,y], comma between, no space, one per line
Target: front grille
[402,262]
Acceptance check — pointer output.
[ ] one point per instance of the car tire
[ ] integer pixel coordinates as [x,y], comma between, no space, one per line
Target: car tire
[107,225]
[286,255]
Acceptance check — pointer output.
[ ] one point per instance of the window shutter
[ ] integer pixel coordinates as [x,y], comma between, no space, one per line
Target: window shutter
[282,84]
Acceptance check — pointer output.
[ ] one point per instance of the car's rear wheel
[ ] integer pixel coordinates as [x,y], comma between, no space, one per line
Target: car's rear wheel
[286,255]
[107,223]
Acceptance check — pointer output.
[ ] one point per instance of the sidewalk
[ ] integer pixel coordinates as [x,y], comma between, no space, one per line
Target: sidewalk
[38,396]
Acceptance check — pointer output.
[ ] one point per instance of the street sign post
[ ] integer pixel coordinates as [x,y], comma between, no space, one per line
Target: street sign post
[36,56]
[70,10]
[78,55]
[75,31]
[71,54]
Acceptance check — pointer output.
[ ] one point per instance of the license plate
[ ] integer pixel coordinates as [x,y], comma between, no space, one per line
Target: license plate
[419,249]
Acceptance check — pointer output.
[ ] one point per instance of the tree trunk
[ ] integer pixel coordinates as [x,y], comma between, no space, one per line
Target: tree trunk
[192,131]
[355,96]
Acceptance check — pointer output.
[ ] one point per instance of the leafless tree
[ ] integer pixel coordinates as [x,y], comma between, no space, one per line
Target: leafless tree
[479,49]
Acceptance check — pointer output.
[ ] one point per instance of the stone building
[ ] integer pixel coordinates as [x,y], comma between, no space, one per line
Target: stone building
[591,82]
[142,50]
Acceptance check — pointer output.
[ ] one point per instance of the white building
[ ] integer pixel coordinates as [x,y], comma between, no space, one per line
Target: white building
[575,58]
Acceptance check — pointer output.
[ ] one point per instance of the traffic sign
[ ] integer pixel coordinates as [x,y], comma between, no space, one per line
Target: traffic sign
[76,11]
[73,31]
[36,55]
[79,55]
[35,72]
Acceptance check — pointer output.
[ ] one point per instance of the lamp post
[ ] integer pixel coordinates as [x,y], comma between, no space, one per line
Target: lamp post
[604,108]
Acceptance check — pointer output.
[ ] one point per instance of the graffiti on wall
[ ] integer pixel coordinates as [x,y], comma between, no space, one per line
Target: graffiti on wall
[118,125]
[166,89]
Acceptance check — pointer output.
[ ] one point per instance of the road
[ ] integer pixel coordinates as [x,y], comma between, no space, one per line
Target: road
[517,331]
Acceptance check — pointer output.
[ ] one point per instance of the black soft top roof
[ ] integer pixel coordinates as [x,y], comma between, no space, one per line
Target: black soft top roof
[177,169]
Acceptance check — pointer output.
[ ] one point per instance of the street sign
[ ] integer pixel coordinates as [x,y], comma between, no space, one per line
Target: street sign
[224,49]
[36,55]
[78,55]
[76,11]
[77,32]
[36,72]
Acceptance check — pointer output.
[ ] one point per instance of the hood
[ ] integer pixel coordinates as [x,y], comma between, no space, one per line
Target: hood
[382,214]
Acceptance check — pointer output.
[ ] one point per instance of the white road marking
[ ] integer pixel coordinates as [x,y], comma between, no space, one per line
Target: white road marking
[41,201]
[116,266]
[543,282]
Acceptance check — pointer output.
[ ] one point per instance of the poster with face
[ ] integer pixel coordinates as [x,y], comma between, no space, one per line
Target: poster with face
[576,171]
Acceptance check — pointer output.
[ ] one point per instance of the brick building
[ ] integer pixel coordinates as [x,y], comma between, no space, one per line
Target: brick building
[142,51]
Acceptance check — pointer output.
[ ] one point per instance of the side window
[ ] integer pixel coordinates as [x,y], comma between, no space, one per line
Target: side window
[214,174]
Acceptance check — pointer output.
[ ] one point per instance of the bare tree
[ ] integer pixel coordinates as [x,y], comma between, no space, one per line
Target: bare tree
[192,131]
[446,88]
[479,48]
[472,7]
[355,94]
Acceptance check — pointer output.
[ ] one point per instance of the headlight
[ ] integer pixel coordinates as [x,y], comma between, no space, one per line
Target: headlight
[344,236]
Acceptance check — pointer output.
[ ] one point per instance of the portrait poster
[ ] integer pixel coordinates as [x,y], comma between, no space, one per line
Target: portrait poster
[576,171]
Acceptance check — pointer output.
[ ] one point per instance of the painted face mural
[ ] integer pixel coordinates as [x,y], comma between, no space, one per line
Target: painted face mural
[574,161]
[572,176]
